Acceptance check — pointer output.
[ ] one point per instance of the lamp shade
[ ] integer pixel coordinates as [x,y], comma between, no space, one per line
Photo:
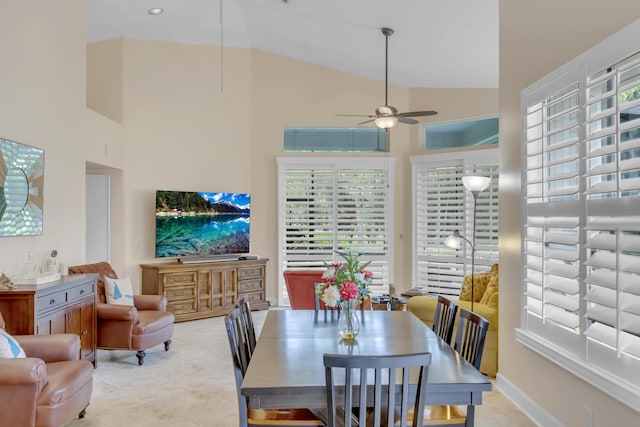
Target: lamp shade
[476,183]
[453,241]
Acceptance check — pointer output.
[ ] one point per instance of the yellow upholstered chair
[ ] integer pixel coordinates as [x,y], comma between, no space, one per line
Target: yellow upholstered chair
[485,304]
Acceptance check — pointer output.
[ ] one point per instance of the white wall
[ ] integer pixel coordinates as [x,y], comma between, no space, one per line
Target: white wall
[42,93]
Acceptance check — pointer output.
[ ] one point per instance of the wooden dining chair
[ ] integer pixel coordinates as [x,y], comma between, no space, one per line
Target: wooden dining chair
[469,343]
[239,345]
[445,318]
[246,321]
[385,405]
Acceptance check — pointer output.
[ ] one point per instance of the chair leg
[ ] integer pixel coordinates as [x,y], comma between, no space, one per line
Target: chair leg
[140,354]
[167,343]
[83,413]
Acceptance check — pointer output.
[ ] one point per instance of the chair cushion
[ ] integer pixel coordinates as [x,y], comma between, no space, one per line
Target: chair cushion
[152,321]
[9,347]
[64,380]
[480,282]
[118,291]
[492,288]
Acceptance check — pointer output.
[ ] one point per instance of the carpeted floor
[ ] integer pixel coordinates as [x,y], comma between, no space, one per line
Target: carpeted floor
[192,385]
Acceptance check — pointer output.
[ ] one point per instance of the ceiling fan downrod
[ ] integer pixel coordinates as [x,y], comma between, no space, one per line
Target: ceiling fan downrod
[386,32]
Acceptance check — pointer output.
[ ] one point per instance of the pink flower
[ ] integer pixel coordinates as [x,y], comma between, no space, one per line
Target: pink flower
[367,274]
[349,291]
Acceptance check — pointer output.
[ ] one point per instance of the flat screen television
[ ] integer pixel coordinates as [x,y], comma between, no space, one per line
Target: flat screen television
[199,225]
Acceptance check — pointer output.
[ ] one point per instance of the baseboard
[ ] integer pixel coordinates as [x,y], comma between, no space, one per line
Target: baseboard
[273,302]
[522,401]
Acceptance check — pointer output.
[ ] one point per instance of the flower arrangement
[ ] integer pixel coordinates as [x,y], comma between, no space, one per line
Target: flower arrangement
[345,281]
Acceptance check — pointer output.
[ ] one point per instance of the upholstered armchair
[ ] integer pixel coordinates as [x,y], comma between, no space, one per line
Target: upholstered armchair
[50,387]
[485,304]
[120,327]
[300,287]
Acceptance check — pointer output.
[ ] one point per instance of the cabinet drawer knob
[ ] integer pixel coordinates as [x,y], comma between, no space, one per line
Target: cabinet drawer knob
[85,332]
[52,301]
[81,291]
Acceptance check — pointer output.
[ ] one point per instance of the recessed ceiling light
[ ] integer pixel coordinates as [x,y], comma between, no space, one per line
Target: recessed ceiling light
[156,11]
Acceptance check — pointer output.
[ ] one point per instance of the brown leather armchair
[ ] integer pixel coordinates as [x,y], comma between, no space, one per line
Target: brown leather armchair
[121,327]
[50,387]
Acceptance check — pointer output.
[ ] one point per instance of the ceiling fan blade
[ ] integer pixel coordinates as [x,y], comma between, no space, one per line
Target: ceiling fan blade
[354,115]
[417,113]
[365,122]
[407,120]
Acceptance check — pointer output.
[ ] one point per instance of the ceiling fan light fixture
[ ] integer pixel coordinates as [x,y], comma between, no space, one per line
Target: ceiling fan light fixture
[386,122]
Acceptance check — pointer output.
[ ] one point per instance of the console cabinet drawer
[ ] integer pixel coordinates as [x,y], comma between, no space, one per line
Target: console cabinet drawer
[80,292]
[51,301]
[250,272]
[250,285]
[174,293]
[180,279]
[207,289]
[182,307]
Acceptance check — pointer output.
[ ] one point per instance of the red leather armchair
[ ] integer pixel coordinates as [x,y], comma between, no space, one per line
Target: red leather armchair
[50,387]
[301,290]
[121,327]
[300,287]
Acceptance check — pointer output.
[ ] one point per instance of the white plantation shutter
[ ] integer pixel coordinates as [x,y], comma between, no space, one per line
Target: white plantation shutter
[581,210]
[441,206]
[335,204]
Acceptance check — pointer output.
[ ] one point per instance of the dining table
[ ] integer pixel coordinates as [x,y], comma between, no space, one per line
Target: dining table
[286,369]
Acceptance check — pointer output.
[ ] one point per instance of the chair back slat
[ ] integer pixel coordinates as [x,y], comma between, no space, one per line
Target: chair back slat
[246,320]
[470,337]
[240,355]
[391,394]
[445,318]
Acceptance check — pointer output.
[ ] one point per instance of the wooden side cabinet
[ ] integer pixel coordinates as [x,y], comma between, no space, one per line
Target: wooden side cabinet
[207,289]
[64,306]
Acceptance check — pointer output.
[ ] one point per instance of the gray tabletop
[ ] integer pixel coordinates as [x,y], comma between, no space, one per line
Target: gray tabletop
[287,370]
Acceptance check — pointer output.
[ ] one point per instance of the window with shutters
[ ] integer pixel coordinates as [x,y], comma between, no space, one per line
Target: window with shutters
[335,204]
[581,216]
[441,205]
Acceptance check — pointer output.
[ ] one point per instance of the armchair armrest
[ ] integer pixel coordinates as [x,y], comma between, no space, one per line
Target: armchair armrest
[150,302]
[30,372]
[51,348]
[21,381]
[116,312]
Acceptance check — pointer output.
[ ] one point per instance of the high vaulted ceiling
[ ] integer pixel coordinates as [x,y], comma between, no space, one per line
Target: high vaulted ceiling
[438,44]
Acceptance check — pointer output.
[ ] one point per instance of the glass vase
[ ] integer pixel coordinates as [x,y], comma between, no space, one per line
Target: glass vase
[348,322]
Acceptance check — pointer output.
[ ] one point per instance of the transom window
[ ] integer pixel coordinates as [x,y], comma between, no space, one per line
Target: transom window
[335,140]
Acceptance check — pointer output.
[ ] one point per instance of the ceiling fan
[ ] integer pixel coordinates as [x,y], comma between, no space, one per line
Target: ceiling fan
[387,116]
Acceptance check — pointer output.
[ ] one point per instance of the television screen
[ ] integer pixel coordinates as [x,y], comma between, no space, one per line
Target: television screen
[197,224]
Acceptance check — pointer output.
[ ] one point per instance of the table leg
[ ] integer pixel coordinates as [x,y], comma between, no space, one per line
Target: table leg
[471,409]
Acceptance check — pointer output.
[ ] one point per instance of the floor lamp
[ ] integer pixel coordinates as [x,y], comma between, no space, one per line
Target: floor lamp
[475,184]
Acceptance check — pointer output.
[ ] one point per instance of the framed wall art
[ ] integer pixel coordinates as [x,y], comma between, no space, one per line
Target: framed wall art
[21,194]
